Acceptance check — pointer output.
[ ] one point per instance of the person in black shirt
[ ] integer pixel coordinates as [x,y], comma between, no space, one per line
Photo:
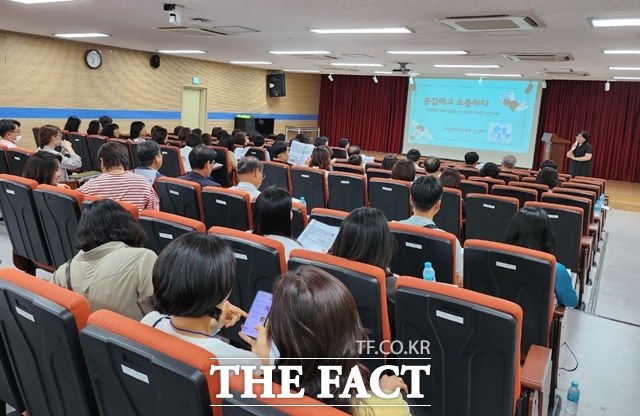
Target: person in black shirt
[580,155]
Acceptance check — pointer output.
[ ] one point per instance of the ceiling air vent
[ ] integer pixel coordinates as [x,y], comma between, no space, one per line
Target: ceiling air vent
[191,31]
[538,57]
[489,23]
[559,74]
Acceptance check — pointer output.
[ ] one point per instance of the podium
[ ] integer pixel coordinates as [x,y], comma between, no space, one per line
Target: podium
[555,148]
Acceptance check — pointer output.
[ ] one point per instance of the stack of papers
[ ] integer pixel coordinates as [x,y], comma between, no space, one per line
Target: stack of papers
[318,236]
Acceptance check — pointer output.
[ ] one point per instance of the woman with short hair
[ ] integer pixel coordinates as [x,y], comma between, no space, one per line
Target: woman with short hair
[50,138]
[44,168]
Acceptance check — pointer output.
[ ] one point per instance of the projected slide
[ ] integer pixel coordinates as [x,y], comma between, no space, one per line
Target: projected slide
[447,117]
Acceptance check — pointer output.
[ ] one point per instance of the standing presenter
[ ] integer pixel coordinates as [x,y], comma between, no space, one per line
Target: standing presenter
[580,155]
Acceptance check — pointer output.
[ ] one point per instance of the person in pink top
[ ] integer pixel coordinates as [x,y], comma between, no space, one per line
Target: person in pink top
[10,133]
[118,184]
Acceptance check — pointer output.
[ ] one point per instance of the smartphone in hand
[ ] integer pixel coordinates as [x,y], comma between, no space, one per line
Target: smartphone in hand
[258,313]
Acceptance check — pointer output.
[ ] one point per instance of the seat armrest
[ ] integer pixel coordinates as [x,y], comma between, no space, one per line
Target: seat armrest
[536,371]
[559,311]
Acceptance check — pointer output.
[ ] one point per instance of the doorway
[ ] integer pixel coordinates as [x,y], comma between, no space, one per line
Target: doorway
[193,113]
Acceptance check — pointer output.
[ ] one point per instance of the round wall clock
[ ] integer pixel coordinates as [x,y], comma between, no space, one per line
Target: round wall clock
[93,58]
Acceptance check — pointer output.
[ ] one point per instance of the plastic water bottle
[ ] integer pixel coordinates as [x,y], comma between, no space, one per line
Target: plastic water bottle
[428,273]
[597,208]
[573,397]
[303,202]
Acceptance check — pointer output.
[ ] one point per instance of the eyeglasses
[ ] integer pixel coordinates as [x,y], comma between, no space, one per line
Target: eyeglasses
[16,131]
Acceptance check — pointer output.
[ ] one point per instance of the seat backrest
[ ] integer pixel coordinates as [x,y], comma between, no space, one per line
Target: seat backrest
[529,179]
[81,147]
[300,219]
[474,337]
[162,228]
[449,218]
[179,197]
[468,172]
[36,136]
[221,175]
[588,180]
[378,173]
[347,191]
[566,223]
[339,152]
[523,195]
[473,187]
[259,261]
[226,208]
[574,201]
[489,216]
[139,370]
[509,177]
[311,184]
[4,165]
[17,159]
[257,152]
[134,155]
[392,197]
[276,173]
[95,143]
[539,187]
[22,220]
[40,323]
[59,210]
[489,181]
[418,245]
[519,275]
[347,168]
[171,161]
[327,216]
[590,195]
[582,186]
[368,286]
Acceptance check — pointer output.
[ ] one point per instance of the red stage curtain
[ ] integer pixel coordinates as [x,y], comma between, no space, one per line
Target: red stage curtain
[611,118]
[370,115]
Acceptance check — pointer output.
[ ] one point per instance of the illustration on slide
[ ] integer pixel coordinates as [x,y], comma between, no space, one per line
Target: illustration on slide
[514,105]
[419,132]
[500,132]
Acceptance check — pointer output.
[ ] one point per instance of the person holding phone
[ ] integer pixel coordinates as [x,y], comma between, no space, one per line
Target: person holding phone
[192,280]
[580,154]
[50,138]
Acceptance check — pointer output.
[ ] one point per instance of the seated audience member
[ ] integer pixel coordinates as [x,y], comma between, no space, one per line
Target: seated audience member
[197,131]
[414,156]
[137,131]
[280,138]
[202,160]
[44,168]
[312,302]
[226,141]
[471,159]
[321,141]
[353,150]
[104,120]
[116,183]
[10,133]
[432,166]
[184,133]
[389,162]
[450,178]
[192,141]
[343,143]
[272,215]
[235,131]
[355,160]
[530,228]
[426,198]
[508,163]
[112,270]
[176,131]
[150,158]
[111,130]
[279,152]
[153,129]
[72,125]
[94,127]
[320,158]
[548,176]
[160,135]
[258,141]
[192,281]
[215,131]
[207,140]
[302,138]
[549,164]
[490,170]
[404,170]
[50,138]
[240,139]
[249,175]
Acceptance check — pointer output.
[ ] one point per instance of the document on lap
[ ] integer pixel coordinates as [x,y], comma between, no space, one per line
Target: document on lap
[318,236]
[299,153]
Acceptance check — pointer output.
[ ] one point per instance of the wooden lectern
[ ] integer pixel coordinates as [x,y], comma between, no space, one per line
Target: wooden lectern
[555,148]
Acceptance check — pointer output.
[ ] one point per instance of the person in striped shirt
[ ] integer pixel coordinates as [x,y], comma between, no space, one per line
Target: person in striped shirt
[118,184]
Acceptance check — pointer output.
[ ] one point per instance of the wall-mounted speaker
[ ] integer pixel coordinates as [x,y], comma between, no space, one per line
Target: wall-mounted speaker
[154,61]
[275,85]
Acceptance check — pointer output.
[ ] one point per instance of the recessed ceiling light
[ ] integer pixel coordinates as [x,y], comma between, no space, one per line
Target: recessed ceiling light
[624,68]
[81,35]
[352,64]
[364,30]
[495,75]
[299,52]
[311,71]
[599,22]
[428,52]
[466,66]
[39,1]
[181,51]
[621,52]
[628,78]
[251,62]
[383,72]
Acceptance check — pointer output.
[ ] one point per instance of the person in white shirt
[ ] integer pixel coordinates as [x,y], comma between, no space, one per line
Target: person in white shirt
[249,176]
[191,141]
[272,216]
[50,137]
